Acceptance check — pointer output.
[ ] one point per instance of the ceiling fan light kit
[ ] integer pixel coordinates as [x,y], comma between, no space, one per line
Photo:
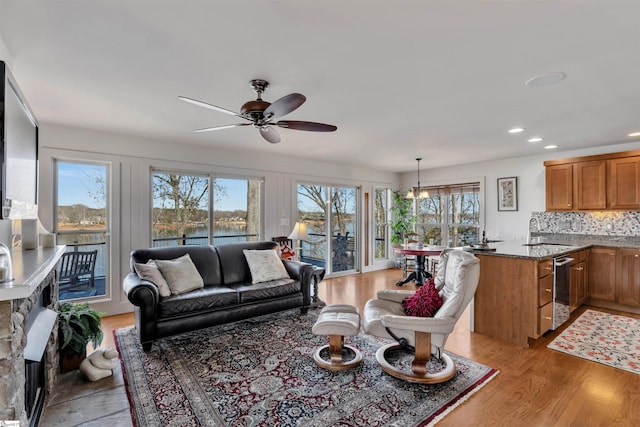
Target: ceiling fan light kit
[262,114]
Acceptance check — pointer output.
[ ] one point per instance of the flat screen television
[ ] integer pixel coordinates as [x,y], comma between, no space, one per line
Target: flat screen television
[18,147]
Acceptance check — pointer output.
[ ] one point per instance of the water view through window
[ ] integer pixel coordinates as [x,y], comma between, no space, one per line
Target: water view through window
[330,214]
[82,223]
[187,206]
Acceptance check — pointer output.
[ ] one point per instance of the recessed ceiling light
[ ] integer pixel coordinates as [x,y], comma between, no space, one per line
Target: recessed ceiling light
[546,79]
[550,147]
[634,134]
[516,130]
[535,139]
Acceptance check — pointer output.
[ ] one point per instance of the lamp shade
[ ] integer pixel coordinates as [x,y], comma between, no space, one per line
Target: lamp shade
[299,232]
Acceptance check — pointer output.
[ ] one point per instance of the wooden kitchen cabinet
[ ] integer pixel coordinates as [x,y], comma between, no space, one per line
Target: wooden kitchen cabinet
[559,185]
[507,300]
[545,296]
[601,182]
[579,291]
[590,184]
[628,276]
[625,183]
[602,274]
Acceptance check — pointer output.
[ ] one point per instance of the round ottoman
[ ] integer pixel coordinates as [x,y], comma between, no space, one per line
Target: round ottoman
[337,321]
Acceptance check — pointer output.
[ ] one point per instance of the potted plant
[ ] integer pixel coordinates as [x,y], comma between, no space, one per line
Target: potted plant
[402,218]
[78,325]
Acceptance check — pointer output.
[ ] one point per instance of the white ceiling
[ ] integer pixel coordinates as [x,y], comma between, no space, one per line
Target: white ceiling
[443,80]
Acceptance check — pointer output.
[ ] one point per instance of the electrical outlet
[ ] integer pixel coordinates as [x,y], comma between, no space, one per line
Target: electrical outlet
[608,226]
[284,221]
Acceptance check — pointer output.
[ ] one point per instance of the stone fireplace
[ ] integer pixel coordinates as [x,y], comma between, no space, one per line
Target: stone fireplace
[24,384]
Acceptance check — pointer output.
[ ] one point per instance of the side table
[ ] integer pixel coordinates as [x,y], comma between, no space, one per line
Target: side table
[318,275]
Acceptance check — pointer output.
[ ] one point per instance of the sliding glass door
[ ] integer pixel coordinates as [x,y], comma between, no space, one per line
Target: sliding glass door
[331,216]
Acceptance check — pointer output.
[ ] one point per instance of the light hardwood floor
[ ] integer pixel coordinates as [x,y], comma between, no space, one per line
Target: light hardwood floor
[535,387]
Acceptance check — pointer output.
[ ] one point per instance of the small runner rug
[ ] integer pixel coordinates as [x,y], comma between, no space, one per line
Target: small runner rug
[260,372]
[609,339]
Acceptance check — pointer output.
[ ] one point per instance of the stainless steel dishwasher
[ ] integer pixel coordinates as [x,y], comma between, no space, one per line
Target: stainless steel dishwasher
[561,290]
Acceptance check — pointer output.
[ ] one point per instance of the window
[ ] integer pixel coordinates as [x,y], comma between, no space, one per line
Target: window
[82,223]
[450,215]
[331,218]
[380,225]
[186,207]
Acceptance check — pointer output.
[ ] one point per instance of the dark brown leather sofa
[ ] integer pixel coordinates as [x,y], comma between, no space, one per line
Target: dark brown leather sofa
[228,294]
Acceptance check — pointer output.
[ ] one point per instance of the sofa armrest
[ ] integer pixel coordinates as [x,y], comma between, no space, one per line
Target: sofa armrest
[293,268]
[302,272]
[145,296]
[139,291]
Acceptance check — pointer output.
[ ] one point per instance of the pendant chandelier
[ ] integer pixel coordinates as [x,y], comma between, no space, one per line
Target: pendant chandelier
[417,192]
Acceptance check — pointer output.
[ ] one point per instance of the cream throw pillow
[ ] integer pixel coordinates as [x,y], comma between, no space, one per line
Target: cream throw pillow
[265,265]
[181,274]
[150,272]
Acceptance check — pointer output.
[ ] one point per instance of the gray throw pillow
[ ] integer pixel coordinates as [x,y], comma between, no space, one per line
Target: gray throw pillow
[181,274]
[265,265]
[150,272]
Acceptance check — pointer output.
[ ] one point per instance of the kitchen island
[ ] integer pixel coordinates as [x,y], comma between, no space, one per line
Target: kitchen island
[514,299]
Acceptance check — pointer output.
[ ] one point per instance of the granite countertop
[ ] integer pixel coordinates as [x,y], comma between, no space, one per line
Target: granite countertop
[553,245]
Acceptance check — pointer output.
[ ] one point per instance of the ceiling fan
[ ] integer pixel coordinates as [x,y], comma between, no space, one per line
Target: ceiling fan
[262,114]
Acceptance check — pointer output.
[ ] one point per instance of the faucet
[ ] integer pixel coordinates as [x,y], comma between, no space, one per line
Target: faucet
[531,220]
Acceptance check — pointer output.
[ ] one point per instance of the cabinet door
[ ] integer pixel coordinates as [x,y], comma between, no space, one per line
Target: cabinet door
[625,183]
[559,187]
[628,276]
[590,181]
[545,290]
[578,291]
[602,274]
[545,318]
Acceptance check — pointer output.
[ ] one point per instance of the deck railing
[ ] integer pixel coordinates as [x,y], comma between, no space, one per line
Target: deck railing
[202,240]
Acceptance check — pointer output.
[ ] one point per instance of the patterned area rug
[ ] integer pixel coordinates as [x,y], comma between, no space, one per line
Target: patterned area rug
[260,372]
[610,339]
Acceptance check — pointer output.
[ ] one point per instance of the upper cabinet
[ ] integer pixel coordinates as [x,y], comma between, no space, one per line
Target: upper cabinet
[603,182]
[559,179]
[625,183]
[591,185]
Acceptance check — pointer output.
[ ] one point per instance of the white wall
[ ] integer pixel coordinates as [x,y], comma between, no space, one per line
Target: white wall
[531,185]
[5,55]
[132,158]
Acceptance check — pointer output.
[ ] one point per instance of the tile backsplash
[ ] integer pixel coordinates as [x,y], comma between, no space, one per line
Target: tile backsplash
[592,223]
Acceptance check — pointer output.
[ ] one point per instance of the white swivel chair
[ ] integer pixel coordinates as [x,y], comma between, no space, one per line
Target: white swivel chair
[456,280]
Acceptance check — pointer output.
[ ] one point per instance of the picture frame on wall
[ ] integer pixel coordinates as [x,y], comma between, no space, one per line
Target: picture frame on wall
[508,194]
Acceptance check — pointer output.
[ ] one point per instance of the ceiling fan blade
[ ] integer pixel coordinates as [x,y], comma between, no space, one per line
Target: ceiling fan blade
[221,127]
[270,134]
[310,126]
[212,107]
[284,105]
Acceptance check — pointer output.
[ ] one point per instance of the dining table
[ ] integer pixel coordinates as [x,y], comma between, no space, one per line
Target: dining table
[420,274]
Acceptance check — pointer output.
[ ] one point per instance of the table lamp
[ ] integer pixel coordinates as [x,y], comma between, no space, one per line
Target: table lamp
[298,234]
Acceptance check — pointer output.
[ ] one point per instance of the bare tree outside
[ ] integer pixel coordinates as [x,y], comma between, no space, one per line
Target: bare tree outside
[253,210]
[182,211]
[380,202]
[451,215]
[316,203]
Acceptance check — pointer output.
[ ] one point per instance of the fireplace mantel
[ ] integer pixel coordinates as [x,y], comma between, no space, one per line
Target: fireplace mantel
[30,268]
[24,384]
